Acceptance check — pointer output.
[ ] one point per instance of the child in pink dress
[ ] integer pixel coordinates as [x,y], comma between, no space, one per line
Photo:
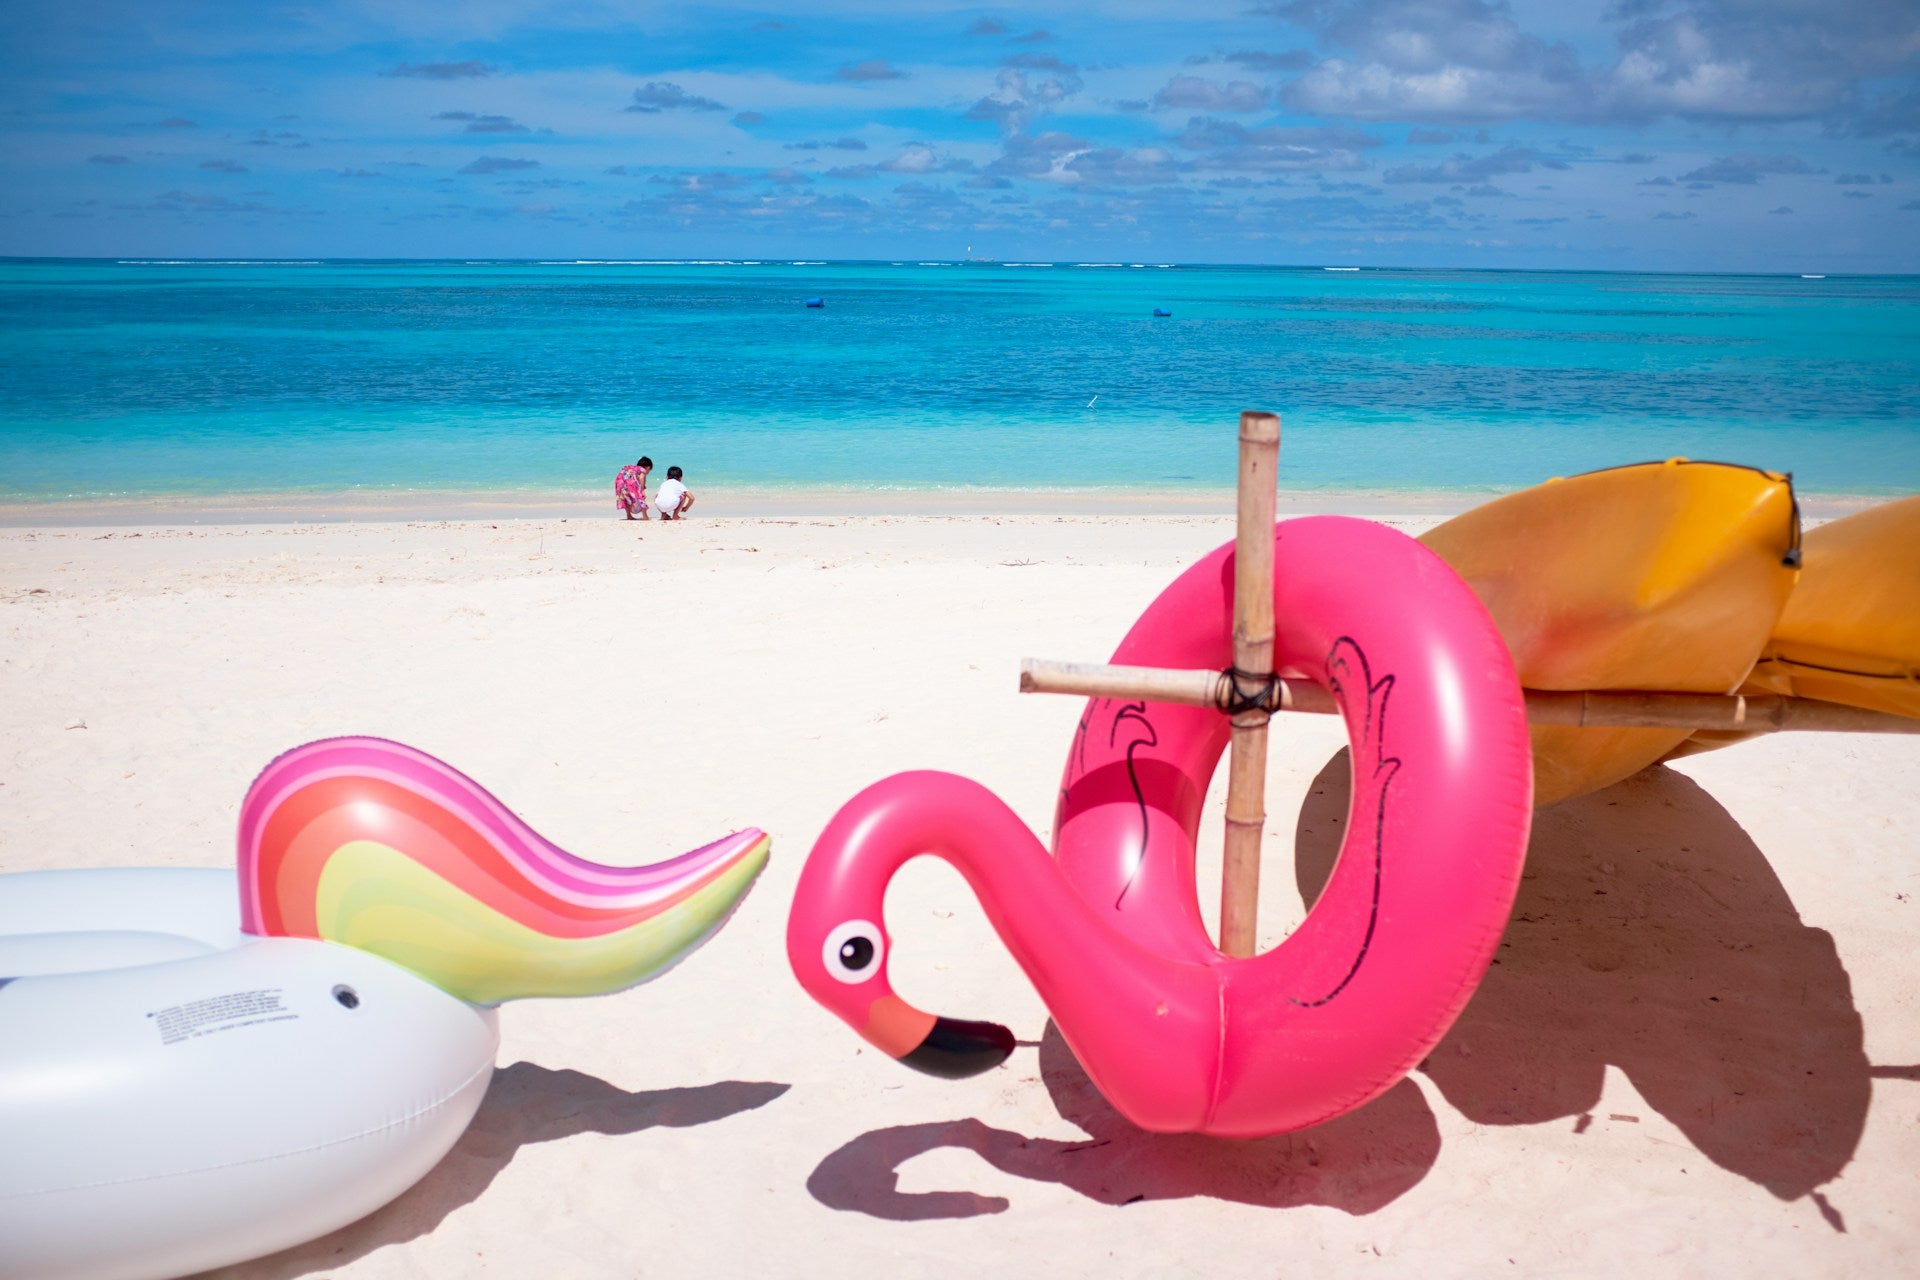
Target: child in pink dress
[630,488]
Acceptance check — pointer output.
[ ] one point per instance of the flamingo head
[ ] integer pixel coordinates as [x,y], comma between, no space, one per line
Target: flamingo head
[838,947]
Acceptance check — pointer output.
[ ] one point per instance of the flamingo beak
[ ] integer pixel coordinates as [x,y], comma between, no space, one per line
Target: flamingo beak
[956,1049]
[950,1048]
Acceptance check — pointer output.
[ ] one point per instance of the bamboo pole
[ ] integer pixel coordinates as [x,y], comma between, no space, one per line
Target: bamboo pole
[1739,713]
[1252,657]
[1614,709]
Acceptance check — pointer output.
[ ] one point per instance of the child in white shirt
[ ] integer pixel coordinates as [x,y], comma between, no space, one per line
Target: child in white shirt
[674,499]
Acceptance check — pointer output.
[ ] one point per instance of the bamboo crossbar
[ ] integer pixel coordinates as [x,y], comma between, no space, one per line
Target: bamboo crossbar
[1752,713]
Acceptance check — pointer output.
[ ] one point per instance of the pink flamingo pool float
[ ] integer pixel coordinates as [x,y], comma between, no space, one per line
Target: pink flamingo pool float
[1176,1035]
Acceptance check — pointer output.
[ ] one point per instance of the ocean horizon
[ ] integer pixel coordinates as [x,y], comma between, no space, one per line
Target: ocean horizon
[183,380]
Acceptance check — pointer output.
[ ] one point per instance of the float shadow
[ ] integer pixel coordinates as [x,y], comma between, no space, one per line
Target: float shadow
[1651,934]
[1358,1163]
[525,1104]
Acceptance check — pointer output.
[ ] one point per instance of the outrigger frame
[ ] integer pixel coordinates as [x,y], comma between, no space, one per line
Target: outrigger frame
[1250,693]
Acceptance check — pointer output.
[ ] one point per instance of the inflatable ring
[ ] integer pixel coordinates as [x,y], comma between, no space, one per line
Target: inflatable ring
[1177,1036]
[185,1085]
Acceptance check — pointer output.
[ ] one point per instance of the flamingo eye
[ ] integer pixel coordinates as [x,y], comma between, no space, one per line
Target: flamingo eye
[853,950]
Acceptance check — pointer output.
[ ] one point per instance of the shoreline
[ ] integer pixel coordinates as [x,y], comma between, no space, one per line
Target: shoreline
[407,506]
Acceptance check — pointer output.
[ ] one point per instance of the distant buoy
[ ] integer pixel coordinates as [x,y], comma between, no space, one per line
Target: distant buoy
[1161,311]
[816,302]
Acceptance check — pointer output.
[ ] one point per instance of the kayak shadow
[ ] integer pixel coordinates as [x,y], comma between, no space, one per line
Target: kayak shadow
[525,1104]
[1650,934]
[1358,1163]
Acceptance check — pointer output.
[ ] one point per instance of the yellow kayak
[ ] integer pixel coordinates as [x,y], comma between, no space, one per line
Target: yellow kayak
[1851,630]
[1664,576]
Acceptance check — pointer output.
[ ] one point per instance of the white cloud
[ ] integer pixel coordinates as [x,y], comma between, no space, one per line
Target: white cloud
[1192,93]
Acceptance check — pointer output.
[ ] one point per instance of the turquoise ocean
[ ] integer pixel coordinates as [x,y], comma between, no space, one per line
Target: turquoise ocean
[146,379]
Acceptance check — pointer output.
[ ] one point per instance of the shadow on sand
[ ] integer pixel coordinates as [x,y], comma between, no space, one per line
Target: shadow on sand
[524,1104]
[1649,934]
[1358,1163]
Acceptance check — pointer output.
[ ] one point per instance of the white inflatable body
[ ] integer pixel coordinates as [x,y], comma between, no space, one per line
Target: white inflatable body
[177,1095]
[200,1067]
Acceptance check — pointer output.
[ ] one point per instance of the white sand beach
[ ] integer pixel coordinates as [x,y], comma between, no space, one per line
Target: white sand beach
[1697,1054]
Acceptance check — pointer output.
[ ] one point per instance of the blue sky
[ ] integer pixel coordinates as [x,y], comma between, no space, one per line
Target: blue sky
[1713,135]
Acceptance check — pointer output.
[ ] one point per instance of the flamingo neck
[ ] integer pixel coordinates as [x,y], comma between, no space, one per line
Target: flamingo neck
[1108,995]
[965,825]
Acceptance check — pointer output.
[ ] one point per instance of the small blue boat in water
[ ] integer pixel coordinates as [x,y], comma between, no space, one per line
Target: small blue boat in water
[1161,311]
[816,302]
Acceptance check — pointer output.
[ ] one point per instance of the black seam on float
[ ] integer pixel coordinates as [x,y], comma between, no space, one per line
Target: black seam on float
[1080,737]
[1076,759]
[1374,733]
[1135,711]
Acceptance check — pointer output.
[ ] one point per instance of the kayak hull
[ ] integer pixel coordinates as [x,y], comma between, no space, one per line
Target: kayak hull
[1663,576]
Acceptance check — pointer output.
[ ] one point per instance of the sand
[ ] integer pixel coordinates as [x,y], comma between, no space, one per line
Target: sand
[1699,1052]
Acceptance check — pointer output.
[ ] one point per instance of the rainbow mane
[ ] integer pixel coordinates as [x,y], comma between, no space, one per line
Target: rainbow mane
[381,847]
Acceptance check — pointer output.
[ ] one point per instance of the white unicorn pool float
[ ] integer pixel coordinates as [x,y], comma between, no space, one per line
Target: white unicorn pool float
[184,1086]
